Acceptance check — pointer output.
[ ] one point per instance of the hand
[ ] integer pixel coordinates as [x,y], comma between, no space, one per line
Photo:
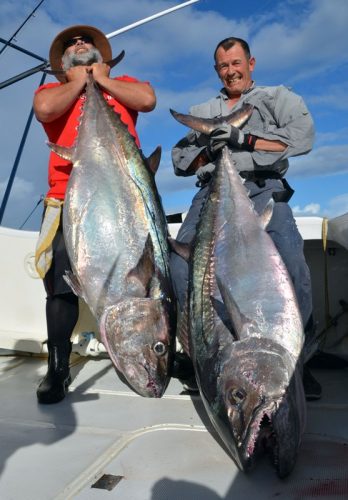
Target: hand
[228,134]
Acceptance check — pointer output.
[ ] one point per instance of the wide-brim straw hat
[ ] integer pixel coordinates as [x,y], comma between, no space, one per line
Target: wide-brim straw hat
[57,48]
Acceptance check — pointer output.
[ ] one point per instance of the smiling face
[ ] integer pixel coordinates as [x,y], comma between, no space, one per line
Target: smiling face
[234,68]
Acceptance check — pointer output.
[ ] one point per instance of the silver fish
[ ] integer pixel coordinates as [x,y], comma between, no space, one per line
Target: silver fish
[116,238]
[245,333]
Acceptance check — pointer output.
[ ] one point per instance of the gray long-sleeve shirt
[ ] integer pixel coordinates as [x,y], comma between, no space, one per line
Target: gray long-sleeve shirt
[279,114]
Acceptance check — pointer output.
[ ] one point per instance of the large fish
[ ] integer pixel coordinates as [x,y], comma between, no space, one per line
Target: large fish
[116,238]
[245,333]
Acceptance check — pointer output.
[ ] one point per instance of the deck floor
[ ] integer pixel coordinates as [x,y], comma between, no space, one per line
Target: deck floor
[146,449]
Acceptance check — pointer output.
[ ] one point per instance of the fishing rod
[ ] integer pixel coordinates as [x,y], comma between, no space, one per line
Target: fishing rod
[18,157]
[21,26]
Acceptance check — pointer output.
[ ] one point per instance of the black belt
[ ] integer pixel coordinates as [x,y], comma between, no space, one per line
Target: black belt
[257,175]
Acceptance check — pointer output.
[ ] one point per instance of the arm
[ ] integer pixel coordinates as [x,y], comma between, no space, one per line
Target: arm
[50,104]
[134,95]
[291,124]
[268,145]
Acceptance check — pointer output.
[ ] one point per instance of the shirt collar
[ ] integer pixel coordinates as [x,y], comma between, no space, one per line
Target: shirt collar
[225,97]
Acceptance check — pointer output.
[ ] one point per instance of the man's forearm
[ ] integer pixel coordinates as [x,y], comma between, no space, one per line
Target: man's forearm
[51,103]
[134,95]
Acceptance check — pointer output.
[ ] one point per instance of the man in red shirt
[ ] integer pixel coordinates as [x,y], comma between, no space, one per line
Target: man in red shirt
[76,50]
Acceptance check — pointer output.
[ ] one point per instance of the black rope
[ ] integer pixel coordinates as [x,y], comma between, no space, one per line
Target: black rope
[42,197]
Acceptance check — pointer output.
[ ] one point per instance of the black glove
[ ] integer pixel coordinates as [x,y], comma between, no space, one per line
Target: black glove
[227,134]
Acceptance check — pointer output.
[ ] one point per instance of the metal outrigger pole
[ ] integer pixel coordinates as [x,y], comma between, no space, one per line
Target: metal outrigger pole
[150,18]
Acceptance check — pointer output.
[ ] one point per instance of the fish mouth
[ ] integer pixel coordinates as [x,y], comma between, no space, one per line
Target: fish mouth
[267,436]
[261,436]
[156,385]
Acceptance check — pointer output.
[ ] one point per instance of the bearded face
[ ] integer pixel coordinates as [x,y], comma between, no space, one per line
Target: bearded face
[85,58]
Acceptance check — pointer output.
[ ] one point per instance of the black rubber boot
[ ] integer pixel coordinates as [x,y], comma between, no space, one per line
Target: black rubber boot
[184,371]
[53,387]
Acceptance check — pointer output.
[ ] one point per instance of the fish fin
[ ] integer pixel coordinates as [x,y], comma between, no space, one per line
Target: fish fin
[241,324]
[70,278]
[266,215]
[154,159]
[181,249]
[183,329]
[116,59]
[223,315]
[144,271]
[207,125]
[63,152]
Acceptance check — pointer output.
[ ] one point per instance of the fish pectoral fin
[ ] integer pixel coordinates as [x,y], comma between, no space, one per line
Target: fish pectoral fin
[240,323]
[266,215]
[181,249]
[144,271]
[73,282]
[63,152]
[154,159]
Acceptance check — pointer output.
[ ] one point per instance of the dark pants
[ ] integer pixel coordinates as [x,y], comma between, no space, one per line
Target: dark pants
[282,229]
[62,307]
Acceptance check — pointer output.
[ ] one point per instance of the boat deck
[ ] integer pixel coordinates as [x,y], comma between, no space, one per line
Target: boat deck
[105,442]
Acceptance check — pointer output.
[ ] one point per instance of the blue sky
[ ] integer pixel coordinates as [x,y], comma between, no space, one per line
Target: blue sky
[299,43]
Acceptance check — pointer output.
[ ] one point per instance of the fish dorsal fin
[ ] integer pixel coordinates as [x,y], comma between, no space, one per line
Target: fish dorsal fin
[154,159]
[266,215]
[180,248]
[144,271]
[63,152]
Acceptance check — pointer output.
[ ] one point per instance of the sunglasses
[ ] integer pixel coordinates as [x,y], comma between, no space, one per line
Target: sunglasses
[73,41]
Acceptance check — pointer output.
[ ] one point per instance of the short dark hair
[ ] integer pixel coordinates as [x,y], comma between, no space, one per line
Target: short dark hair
[229,42]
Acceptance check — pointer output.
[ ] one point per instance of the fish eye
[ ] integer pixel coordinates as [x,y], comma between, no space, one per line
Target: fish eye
[237,396]
[160,348]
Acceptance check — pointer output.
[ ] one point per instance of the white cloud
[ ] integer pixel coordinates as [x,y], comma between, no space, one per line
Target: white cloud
[322,161]
[309,209]
[337,205]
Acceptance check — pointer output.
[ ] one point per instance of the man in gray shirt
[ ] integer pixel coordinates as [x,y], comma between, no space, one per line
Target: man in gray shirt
[279,127]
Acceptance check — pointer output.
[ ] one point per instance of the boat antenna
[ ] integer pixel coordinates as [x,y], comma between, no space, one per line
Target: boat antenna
[21,26]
